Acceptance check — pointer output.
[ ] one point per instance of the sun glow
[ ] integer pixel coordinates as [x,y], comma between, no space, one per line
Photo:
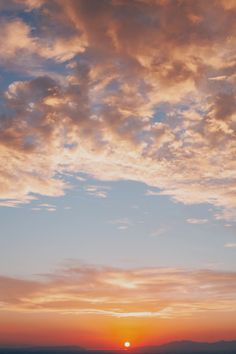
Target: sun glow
[126,344]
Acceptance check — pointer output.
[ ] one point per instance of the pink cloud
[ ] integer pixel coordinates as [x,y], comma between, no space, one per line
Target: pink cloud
[158,292]
[100,116]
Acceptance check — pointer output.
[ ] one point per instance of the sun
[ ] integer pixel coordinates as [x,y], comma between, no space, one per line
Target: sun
[127,344]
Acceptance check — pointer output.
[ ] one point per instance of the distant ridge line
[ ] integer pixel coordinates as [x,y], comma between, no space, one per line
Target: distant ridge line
[176,347]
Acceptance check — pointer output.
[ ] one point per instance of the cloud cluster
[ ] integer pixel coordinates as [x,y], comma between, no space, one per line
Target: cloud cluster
[143,292]
[97,191]
[141,90]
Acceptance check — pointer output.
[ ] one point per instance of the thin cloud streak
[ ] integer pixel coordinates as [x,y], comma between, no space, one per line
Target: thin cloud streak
[142,292]
[230,245]
[197,221]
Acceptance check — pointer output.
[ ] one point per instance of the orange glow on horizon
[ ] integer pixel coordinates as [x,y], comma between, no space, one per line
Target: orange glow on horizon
[110,333]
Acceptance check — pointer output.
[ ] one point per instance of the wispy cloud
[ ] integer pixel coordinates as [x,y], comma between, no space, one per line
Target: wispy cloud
[47,206]
[158,292]
[151,193]
[197,221]
[97,191]
[230,245]
[159,231]
[122,224]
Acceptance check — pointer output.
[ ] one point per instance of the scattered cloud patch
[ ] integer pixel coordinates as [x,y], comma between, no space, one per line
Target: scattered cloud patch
[122,224]
[230,245]
[48,207]
[227,214]
[197,221]
[159,232]
[97,191]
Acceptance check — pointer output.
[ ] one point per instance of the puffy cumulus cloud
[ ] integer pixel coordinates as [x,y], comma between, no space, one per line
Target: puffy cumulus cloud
[150,98]
[25,46]
[16,34]
[84,289]
[29,4]
[29,142]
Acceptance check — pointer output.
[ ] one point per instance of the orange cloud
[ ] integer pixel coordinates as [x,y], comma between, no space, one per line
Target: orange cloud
[143,293]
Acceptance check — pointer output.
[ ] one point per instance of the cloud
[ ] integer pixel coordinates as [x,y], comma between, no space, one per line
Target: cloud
[30,4]
[17,38]
[151,193]
[124,93]
[141,292]
[159,231]
[45,206]
[97,191]
[227,214]
[122,224]
[197,221]
[230,245]
[23,50]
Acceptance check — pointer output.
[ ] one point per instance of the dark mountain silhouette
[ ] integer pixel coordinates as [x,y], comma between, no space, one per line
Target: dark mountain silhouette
[188,347]
[42,350]
[180,347]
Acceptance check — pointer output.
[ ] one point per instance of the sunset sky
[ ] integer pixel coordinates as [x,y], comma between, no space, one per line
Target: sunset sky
[117,171]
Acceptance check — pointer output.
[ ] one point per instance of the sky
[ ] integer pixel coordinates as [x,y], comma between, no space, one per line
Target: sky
[117,171]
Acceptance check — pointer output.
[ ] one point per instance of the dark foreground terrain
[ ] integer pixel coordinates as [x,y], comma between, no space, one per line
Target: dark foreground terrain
[182,347]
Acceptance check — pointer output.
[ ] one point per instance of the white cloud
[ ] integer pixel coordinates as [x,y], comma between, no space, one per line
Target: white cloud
[152,193]
[230,245]
[122,224]
[197,221]
[97,191]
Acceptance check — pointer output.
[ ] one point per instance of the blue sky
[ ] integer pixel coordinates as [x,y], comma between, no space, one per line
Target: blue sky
[124,229]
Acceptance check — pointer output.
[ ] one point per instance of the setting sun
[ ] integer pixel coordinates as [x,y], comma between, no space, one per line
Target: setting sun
[126,344]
